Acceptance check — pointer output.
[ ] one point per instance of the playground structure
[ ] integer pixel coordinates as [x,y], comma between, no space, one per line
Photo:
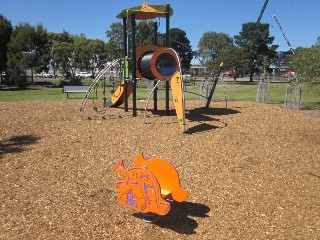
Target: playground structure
[149,186]
[150,62]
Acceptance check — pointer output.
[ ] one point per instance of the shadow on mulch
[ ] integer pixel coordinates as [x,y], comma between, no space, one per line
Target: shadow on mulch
[160,112]
[178,218]
[16,144]
[205,114]
[201,115]
[202,127]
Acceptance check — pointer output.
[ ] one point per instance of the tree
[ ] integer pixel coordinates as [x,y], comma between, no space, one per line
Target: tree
[5,33]
[98,54]
[81,55]
[306,62]
[211,45]
[255,39]
[71,52]
[62,55]
[89,54]
[145,31]
[318,42]
[144,36]
[235,59]
[115,40]
[58,58]
[42,54]
[181,44]
[28,49]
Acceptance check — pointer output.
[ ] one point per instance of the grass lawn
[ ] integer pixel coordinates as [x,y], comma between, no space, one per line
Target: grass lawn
[36,94]
[235,91]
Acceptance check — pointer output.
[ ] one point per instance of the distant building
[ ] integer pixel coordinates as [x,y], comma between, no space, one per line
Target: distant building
[280,64]
[198,70]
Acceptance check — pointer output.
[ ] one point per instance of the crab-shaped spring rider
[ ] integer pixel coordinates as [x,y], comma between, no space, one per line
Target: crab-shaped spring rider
[149,186]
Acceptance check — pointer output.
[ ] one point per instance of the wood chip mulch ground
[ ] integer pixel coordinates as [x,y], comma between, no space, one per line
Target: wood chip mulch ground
[252,171]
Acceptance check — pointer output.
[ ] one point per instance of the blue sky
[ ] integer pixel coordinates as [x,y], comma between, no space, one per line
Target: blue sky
[299,19]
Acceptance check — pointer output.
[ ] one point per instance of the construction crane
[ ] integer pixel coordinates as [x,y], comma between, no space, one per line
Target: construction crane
[262,11]
[283,33]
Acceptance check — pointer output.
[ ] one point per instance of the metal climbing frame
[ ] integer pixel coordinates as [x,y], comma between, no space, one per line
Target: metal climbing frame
[283,33]
[262,10]
[95,81]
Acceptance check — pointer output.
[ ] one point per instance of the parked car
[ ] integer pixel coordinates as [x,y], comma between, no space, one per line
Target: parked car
[83,75]
[44,75]
[48,75]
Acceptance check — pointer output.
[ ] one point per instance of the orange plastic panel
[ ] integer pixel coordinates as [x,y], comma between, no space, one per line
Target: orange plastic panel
[167,176]
[118,96]
[146,11]
[140,190]
[178,99]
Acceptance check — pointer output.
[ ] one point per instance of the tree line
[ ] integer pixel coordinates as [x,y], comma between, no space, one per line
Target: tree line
[33,49]
[27,47]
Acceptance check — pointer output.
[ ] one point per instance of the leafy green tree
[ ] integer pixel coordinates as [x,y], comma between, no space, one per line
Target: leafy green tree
[144,35]
[5,33]
[42,54]
[235,59]
[89,54]
[255,39]
[115,40]
[318,42]
[28,49]
[71,52]
[180,43]
[62,55]
[306,62]
[59,60]
[211,45]
[98,54]
[60,37]
[145,31]
[81,55]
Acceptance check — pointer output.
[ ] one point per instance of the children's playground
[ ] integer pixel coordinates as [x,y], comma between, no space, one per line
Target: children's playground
[171,168]
[251,171]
